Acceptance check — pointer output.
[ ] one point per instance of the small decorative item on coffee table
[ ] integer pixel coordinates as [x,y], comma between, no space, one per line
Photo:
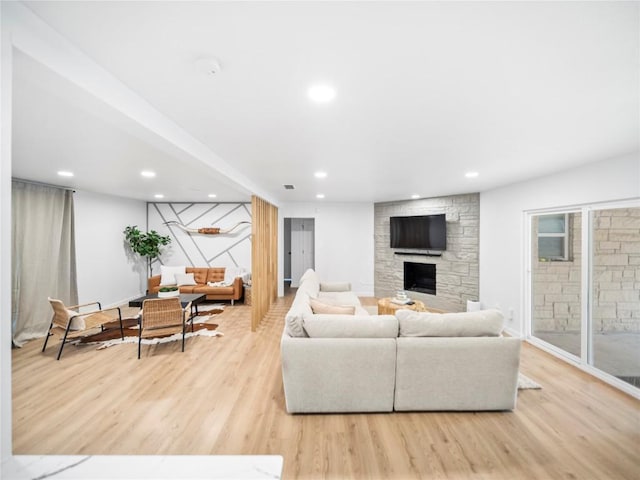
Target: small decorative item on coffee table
[389,305]
[165,292]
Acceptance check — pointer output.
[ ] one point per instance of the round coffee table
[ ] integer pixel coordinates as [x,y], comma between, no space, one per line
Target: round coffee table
[387,307]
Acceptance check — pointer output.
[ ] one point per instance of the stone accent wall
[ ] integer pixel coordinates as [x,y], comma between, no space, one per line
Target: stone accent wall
[616,276]
[616,270]
[557,284]
[457,268]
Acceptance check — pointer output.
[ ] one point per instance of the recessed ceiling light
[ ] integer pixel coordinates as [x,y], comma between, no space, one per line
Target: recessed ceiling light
[471,174]
[321,93]
[212,195]
[159,195]
[64,173]
[148,173]
[320,195]
[320,174]
[415,196]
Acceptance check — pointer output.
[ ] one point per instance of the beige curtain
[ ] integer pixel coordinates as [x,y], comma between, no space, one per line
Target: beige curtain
[43,256]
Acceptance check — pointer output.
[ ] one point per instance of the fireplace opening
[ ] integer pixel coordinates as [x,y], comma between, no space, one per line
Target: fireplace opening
[420,277]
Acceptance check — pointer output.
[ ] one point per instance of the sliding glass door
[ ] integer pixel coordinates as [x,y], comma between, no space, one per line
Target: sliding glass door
[584,277]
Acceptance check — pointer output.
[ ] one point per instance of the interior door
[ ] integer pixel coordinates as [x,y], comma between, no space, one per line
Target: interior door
[302,247]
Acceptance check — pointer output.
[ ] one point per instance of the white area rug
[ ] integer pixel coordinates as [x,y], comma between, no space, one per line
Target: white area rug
[525,383]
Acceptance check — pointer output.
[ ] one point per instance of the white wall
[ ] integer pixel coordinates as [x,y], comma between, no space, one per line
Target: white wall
[107,271]
[343,242]
[502,223]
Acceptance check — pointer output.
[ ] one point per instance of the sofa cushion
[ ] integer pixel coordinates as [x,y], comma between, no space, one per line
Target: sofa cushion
[207,290]
[185,279]
[293,319]
[339,298]
[319,307]
[215,274]
[335,286]
[199,274]
[350,326]
[482,323]
[167,274]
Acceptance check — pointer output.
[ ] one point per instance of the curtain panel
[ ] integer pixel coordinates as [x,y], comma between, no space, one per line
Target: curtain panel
[43,256]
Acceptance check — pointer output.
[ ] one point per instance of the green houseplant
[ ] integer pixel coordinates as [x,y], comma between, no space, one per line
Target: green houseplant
[145,244]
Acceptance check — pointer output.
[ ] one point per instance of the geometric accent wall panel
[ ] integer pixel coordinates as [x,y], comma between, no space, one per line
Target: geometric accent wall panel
[202,250]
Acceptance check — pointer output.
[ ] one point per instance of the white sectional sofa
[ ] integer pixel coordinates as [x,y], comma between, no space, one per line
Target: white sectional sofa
[357,362]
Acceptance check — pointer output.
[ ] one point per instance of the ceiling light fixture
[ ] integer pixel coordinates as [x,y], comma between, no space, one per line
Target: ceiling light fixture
[159,195]
[148,173]
[212,195]
[471,174]
[320,174]
[321,93]
[320,195]
[415,196]
[64,173]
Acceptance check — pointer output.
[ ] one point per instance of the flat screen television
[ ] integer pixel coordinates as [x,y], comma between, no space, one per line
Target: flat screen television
[427,232]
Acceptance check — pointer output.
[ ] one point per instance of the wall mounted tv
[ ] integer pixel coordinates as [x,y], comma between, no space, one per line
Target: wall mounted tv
[427,232]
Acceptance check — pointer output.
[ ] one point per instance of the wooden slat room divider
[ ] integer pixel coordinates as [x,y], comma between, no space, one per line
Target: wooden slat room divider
[264,259]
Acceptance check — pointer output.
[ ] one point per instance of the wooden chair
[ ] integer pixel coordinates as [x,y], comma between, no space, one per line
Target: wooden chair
[161,317]
[75,324]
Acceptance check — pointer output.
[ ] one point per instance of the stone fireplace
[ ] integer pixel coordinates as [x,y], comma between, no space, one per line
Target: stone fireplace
[420,277]
[457,266]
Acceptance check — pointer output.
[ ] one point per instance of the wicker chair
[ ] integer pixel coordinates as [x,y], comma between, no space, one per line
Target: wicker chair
[161,317]
[75,324]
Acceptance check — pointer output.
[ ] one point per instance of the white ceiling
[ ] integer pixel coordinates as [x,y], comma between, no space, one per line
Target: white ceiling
[426,91]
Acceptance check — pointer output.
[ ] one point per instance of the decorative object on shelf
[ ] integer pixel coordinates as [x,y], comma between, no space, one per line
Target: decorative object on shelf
[166,292]
[146,244]
[207,230]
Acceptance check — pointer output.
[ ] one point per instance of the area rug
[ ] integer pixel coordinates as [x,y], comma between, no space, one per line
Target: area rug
[111,334]
[203,331]
[525,383]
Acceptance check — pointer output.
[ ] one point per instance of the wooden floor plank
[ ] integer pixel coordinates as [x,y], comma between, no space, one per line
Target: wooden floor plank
[224,395]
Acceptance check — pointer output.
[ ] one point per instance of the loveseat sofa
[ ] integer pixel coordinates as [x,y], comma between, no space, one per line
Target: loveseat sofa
[215,282]
[411,361]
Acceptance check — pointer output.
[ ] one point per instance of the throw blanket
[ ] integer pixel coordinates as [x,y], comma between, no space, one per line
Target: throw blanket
[220,284]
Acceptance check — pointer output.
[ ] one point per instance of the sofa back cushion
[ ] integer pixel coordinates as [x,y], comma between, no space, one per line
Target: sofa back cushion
[482,323]
[215,274]
[199,274]
[350,326]
[320,307]
[310,283]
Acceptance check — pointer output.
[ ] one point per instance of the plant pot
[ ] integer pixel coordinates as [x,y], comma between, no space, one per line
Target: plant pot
[173,293]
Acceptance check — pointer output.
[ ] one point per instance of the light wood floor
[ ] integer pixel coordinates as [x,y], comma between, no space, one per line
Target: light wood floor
[224,396]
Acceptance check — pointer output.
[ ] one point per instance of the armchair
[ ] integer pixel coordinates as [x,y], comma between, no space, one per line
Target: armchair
[75,323]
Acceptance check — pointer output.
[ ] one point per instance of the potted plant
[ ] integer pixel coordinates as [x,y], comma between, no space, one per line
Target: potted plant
[146,244]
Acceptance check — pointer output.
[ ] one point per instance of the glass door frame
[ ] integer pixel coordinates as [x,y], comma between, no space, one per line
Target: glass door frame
[585,360]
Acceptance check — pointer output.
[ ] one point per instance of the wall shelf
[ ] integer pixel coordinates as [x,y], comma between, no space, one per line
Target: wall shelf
[423,254]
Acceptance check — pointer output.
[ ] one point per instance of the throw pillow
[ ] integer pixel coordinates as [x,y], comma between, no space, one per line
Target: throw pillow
[185,279]
[483,323]
[168,274]
[319,307]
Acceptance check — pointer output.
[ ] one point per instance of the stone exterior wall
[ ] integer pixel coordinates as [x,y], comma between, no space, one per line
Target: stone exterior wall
[616,270]
[457,268]
[616,277]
